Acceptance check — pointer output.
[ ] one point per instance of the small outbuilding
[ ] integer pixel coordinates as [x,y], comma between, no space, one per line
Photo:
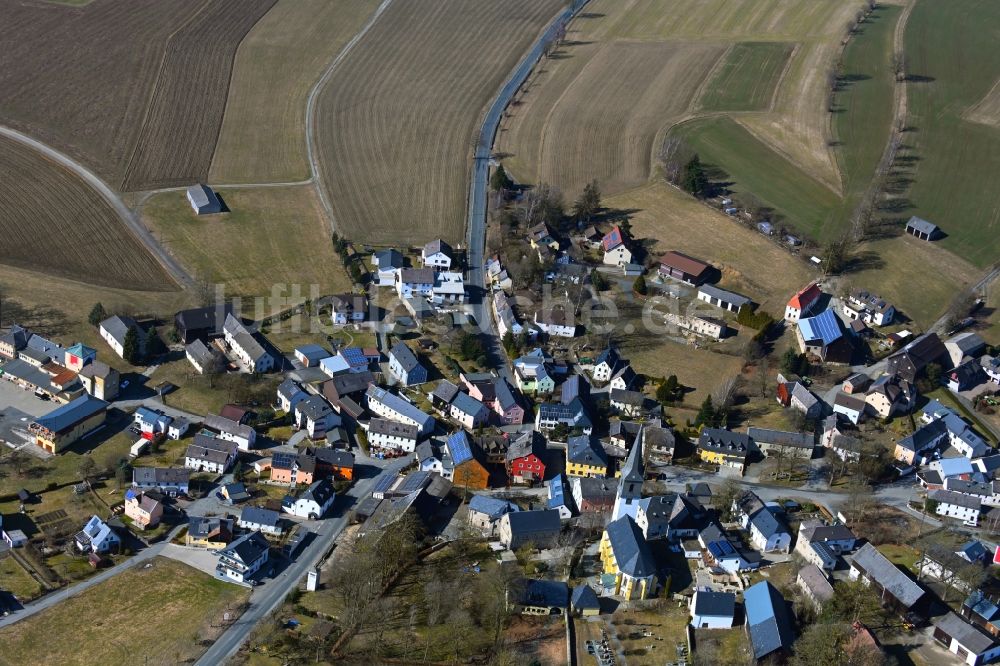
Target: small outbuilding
[584,601]
[203,199]
[922,229]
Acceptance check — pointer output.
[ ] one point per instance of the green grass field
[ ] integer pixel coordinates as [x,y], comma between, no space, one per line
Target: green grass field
[802,202]
[952,64]
[112,623]
[747,77]
[16,579]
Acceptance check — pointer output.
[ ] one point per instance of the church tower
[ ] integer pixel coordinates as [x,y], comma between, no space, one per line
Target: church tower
[630,483]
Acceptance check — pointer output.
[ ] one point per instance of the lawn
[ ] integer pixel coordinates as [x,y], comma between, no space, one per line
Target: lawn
[952,65]
[747,77]
[16,580]
[275,238]
[901,555]
[179,607]
[204,394]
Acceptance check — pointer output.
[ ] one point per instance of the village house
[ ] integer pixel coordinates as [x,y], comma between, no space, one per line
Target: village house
[971,645]
[538,528]
[244,436]
[606,365]
[615,246]
[246,348]
[466,470]
[918,447]
[626,557]
[964,376]
[723,299]
[506,320]
[68,423]
[210,454]
[856,383]
[170,481]
[100,380]
[97,537]
[485,513]
[386,263]
[333,463]
[791,444]
[393,435]
[710,327]
[802,303]
[982,611]
[114,330]
[593,495]
[144,511]
[584,602]
[202,323]
[964,346]
[242,559]
[414,282]
[349,360]
[768,532]
[724,448]
[497,276]
[437,254]
[204,359]
[348,309]
[712,610]
[814,584]
[405,367]
[895,589]
[531,375]
[798,397]
[769,623]
[558,498]
[851,407]
[468,411]
[291,469]
[556,322]
[838,537]
[260,520]
[552,414]
[541,236]
[390,406]
[525,459]
[681,267]
[313,503]
[632,404]
[448,289]
[585,457]
[823,336]
[211,533]
[890,395]
[966,508]
[864,306]
[506,405]
[316,416]
[910,361]
[290,394]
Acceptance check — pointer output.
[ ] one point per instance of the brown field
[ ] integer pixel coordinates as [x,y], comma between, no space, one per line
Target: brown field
[284,54]
[185,113]
[987,110]
[397,119]
[273,236]
[570,125]
[142,81]
[748,261]
[55,223]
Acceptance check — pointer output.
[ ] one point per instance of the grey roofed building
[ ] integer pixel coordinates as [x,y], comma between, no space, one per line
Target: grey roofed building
[466,404]
[877,568]
[815,582]
[714,604]
[539,527]
[804,396]
[68,415]
[921,228]
[388,259]
[206,322]
[719,439]
[925,436]
[97,369]
[436,246]
[494,507]
[767,523]
[584,598]
[444,392]
[229,426]
[210,449]
[799,440]
[723,296]
[958,499]
[118,327]
[544,593]
[259,516]
[630,398]
[570,389]
[39,357]
[584,450]
[343,385]
[201,527]
[407,360]
[244,338]
[203,199]
[968,636]
[160,476]
[416,275]
[632,553]
[314,407]
[504,396]
[380,426]
[768,620]
[201,354]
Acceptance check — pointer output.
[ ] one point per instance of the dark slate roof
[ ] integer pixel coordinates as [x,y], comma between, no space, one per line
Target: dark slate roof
[252,514]
[445,391]
[436,246]
[924,436]
[767,619]
[767,523]
[584,597]
[67,416]
[878,568]
[534,522]
[957,499]
[716,604]
[405,357]
[525,444]
[584,450]
[535,592]
[248,547]
[802,440]
[321,491]
[725,296]
[967,635]
[210,317]
[466,404]
[718,439]
[117,327]
[632,553]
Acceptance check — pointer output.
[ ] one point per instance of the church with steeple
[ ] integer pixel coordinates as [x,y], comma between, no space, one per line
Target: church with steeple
[630,483]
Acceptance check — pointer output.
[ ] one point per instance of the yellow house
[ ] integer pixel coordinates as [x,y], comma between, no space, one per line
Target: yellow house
[66,424]
[625,555]
[585,457]
[209,533]
[723,447]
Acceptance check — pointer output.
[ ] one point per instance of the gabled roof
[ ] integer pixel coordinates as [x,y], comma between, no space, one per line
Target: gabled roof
[967,635]
[436,246]
[535,592]
[210,317]
[805,298]
[879,569]
[956,499]
[684,263]
[67,416]
[924,436]
[320,492]
[824,328]
[494,507]
[534,522]
[525,444]
[631,552]
[258,516]
[816,582]
[445,391]
[725,296]
[584,450]
[767,619]
[459,447]
[584,597]
[405,357]
[248,548]
[921,225]
[466,404]
[613,238]
[714,604]
[117,327]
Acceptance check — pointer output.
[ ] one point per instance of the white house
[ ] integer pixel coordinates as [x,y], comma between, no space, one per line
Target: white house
[768,533]
[972,646]
[606,364]
[201,356]
[289,395]
[437,255]
[390,406]
[313,503]
[869,308]
[852,408]
[316,416]
[448,288]
[556,322]
[412,282]
[616,252]
[386,264]
[243,558]
[468,411]
[97,537]
[243,436]
[802,303]
[712,610]
[245,346]
[114,329]
[388,434]
[966,508]
[348,308]
[505,317]
[260,520]
[210,454]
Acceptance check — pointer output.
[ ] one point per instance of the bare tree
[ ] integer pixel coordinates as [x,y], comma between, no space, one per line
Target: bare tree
[725,392]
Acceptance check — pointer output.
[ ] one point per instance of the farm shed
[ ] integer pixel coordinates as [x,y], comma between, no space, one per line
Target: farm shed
[203,199]
[922,229]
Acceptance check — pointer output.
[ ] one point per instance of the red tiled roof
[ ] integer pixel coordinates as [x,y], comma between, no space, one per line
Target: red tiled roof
[612,239]
[805,298]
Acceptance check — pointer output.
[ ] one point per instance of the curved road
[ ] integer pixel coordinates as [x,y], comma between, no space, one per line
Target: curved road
[476,235]
[175,270]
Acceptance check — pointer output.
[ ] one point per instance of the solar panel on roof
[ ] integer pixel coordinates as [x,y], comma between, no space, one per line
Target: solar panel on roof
[459,447]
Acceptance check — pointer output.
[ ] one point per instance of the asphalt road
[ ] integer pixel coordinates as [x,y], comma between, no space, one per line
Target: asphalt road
[269,596]
[130,219]
[478,191]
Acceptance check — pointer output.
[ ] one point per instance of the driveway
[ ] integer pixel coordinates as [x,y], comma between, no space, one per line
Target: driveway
[199,558]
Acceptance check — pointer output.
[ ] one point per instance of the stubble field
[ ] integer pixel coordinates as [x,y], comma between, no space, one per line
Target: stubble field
[53,222]
[397,119]
[284,54]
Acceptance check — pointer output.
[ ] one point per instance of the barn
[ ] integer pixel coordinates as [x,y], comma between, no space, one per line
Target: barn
[922,229]
[203,199]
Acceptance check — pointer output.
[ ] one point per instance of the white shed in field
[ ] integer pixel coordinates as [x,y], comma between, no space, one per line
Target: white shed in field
[203,199]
